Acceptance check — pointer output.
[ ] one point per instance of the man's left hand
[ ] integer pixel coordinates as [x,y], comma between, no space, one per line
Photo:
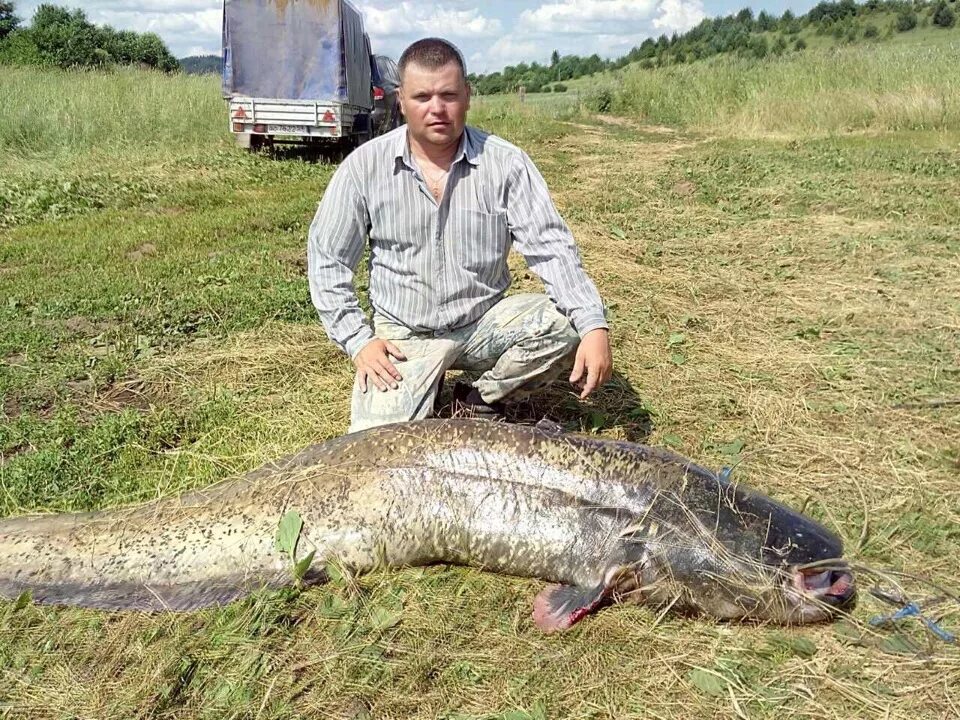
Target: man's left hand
[595,359]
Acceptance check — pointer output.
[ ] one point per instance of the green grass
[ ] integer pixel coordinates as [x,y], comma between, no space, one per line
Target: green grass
[776,293]
[871,86]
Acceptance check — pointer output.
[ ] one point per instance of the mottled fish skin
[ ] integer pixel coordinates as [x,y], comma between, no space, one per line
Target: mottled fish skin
[508,498]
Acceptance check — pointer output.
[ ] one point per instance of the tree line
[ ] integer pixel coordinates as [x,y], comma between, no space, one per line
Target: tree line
[741,33]
[60,37]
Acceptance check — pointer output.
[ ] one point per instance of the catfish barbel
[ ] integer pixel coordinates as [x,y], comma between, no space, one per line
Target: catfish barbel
[601,520]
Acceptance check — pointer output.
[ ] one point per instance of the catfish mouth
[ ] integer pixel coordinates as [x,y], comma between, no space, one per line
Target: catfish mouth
[826,589]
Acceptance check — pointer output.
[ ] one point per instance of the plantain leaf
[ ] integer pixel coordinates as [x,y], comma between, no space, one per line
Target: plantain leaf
[383,618]
[373,652]
[848,632]
[302,566]
[735,447]
[24,599]
[288,532]
[709,682]
[803,647]
[900,645]
[332,606]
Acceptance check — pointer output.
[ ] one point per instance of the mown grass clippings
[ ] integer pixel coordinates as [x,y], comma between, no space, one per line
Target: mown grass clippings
[169,342]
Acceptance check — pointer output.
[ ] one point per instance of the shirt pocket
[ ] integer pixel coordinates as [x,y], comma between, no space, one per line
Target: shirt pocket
[478,242]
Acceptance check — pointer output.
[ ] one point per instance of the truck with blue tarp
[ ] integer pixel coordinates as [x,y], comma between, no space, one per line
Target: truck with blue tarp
[296,71]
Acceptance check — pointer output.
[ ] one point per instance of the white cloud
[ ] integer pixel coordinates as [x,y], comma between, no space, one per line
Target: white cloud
[507,50]
[609,28]
[679,15]
[410,18]
[580,17]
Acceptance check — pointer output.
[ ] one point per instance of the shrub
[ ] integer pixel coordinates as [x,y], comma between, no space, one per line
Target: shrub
[8,21]
[559,87]
[800,44]
[57,36]
[758,47]
[18,48]
[943,16]
[601,100]
[906,20]
[871,31]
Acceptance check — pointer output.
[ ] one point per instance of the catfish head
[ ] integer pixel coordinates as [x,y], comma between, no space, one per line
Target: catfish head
[709,547]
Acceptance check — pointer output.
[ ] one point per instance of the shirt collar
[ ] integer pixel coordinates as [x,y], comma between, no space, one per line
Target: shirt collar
[467,150]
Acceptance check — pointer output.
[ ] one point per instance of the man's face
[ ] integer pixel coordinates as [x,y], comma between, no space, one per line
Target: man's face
[435,103]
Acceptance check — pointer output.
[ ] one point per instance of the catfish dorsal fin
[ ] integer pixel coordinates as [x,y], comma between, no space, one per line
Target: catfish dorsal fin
[559,607]
[549,427]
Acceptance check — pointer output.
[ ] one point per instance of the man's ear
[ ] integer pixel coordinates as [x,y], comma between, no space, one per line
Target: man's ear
[469,95]
[400,100]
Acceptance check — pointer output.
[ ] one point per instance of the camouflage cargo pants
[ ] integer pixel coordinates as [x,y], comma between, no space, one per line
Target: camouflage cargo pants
[521,344]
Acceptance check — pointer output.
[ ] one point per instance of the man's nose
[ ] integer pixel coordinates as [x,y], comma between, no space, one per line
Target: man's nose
[436,105]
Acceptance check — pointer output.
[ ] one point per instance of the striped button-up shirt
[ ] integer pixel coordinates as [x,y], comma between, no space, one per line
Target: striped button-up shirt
[435,267]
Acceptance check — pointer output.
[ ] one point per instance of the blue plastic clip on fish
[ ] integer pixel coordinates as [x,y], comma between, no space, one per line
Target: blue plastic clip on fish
[913,610]
[725,473]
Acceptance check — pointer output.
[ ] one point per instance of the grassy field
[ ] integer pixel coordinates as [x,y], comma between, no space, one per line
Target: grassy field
[784,298]
[866,87]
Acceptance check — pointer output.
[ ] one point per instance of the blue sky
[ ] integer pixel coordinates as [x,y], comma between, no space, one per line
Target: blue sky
[491,34]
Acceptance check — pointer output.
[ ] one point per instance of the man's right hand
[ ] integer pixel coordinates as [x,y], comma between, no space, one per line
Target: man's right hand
[374,366]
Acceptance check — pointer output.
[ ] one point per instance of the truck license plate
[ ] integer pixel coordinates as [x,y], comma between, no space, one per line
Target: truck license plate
[288,129]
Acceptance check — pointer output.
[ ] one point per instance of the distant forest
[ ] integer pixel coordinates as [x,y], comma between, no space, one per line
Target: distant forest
[65,38]
[741,33]
[201,64]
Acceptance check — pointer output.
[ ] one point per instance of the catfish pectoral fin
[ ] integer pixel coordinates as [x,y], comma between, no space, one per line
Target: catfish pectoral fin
[559,607]
[549,427]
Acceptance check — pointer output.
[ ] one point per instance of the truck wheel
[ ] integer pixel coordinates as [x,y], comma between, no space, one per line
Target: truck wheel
[362,130]
[249,141]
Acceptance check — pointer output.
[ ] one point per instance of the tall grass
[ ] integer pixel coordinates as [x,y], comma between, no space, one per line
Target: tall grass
[879,87]
[52,113]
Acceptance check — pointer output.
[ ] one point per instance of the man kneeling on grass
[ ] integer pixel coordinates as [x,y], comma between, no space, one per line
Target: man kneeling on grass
[442,203]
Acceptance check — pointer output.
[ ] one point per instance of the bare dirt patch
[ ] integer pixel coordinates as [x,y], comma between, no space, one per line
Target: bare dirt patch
[80,325]
[125,394]
[142,251]
[11,407]
[296,259]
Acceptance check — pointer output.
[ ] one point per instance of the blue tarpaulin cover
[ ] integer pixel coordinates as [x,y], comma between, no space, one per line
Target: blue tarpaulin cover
[296,50]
